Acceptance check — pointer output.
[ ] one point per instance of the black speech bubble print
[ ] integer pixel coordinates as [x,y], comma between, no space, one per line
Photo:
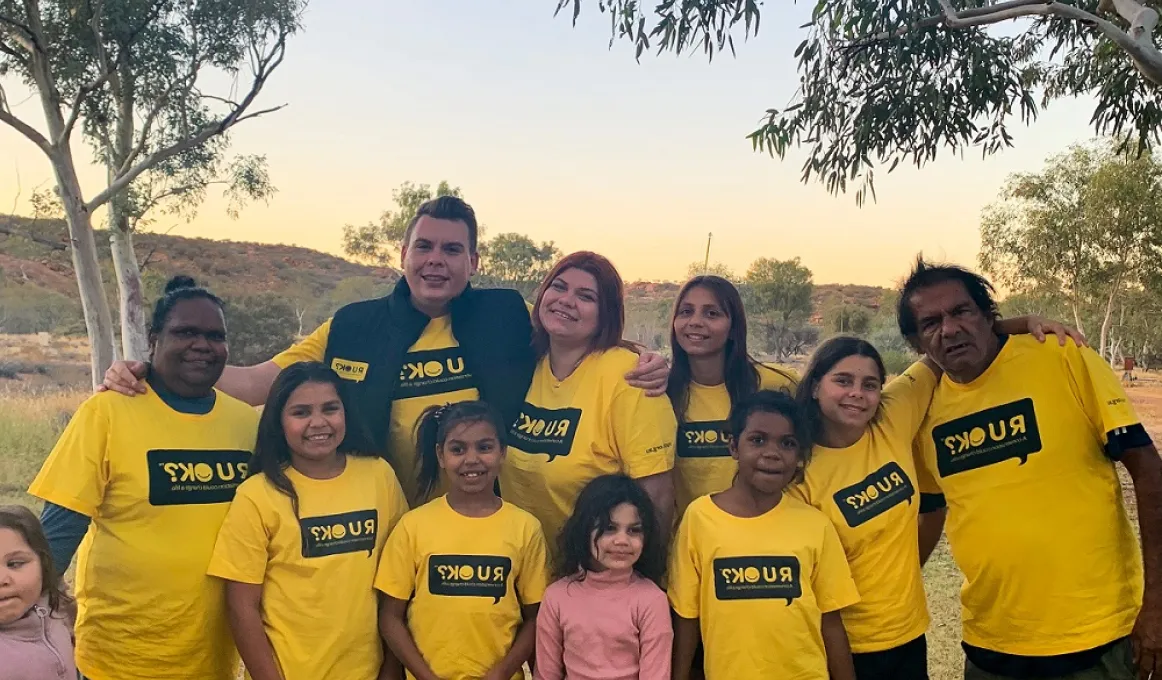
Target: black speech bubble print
[875,494]
[704,439]
[346,532]
[547,431]
[469,576]
[187,477]
[757,578]
[987,437]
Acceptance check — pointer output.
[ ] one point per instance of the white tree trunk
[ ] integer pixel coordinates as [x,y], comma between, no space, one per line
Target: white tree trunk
[1105,322]
[134,338]
[98,318]
[1077,317]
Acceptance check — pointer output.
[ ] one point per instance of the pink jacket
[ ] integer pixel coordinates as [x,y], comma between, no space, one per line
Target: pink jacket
[39,645]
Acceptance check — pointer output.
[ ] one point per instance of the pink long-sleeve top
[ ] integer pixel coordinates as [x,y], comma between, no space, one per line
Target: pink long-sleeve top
[604,627]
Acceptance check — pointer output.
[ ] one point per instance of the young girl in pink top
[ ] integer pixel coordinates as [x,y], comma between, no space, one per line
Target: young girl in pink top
[607,618]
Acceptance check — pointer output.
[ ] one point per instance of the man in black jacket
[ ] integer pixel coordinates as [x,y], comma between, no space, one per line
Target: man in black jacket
[434,339]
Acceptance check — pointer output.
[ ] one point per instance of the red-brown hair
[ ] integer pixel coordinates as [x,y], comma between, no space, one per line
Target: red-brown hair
[610,301]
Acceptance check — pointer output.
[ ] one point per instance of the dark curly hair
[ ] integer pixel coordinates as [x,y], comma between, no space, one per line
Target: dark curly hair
[592,513]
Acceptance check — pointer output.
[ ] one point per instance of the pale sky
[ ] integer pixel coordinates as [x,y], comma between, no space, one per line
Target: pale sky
[550,133]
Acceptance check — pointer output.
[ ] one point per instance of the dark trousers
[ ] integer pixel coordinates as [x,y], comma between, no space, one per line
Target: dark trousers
[909,661]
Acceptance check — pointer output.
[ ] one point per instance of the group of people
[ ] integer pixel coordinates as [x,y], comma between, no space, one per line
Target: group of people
[449,483]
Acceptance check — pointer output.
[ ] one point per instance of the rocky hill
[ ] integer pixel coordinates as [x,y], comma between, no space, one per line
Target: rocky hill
[38,290]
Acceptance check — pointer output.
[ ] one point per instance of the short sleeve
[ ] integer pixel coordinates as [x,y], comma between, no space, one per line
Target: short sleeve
[778,378]
[685,579]
[1098,389]
[396,500]
[242,550]
[926,479]
[76,472]
[311,348]
[534,568]
[643,430]
[831,581]
[799,491]
[396,575]
[906,400]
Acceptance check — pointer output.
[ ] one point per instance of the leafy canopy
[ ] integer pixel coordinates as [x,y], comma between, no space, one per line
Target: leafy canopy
[884,82]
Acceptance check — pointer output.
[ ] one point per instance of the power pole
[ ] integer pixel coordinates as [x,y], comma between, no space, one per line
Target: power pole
[706,262]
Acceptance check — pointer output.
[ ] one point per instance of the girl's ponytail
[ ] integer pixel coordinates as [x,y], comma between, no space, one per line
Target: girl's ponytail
[427,440]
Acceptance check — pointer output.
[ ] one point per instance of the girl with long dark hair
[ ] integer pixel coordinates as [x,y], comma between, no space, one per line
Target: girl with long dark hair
[712,370]
[300,545]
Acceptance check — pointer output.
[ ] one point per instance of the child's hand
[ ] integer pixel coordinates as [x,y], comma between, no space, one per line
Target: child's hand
[495,674]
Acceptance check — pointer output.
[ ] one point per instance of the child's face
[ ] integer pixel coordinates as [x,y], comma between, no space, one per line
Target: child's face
[471,456]
[849,394]
[21,579]
[767,452]
[313,421]
[620,546]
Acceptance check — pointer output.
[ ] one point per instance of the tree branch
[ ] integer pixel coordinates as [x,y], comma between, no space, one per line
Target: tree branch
[24,35]
[265,66]
[26,130]
[1138,43]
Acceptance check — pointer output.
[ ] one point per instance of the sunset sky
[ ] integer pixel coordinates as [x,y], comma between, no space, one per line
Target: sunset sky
[550,133]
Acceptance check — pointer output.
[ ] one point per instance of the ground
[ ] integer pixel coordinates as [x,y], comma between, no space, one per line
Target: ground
[42,379]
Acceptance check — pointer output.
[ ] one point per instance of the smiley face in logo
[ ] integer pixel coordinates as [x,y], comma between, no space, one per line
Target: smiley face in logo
[203,472]
[751,574]
[338,531]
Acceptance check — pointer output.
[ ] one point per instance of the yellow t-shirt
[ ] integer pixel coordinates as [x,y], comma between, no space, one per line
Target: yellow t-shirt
[868,491]
[157,484]
[1035,514]
[467,579]
[433,373]
[759,587]
[704,464]
[317,573]
[571,431]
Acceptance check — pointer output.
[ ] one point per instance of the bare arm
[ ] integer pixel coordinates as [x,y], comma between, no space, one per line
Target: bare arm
[931,527]
[394,628]
[522,648]
[686,638]
[1038,327]
[1145,468]
[839,662]
[244,609]
[651,374]
[250,384]
[660,489]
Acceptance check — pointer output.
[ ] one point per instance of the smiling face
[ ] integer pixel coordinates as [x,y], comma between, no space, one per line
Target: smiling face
[314,422]
[701,324]
[437,262]
[849,394]
[189,354]
[618,546]
[21,576]
[471,456]
[767,452]
[953,330]
[569,308]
